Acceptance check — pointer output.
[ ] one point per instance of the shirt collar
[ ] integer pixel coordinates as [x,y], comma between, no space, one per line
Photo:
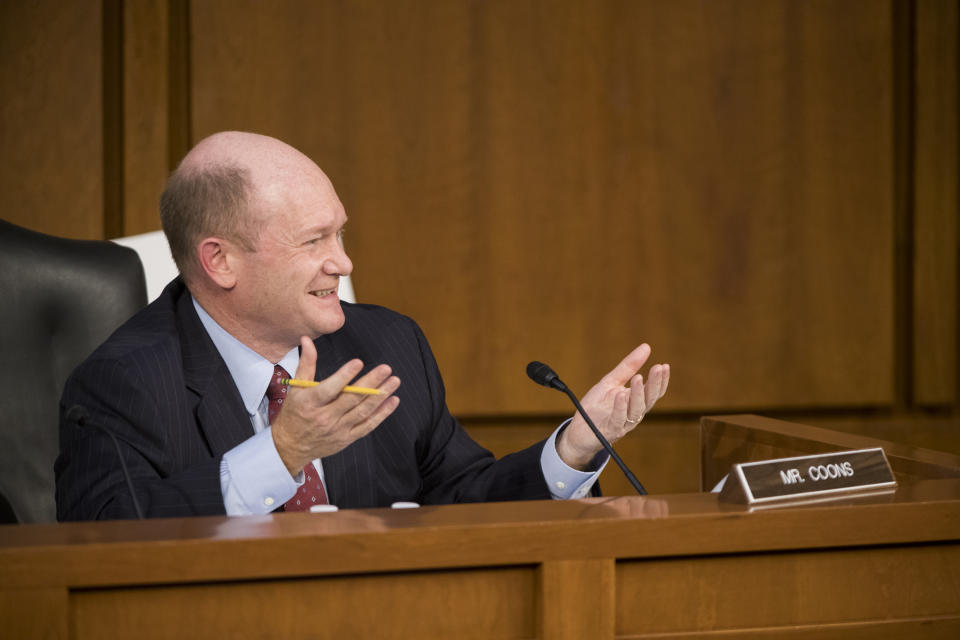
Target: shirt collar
[250,371]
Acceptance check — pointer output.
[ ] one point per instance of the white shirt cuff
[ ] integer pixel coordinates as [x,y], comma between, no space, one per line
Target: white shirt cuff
[564,481]
[253,478]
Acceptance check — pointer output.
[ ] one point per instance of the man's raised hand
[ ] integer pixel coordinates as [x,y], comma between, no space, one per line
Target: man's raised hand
[319,421]
[614,407]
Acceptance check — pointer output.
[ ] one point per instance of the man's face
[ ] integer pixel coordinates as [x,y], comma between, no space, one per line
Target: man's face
[287,287]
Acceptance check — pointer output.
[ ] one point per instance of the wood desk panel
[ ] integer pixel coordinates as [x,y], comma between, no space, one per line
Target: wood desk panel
[685,565]
[484,603]
[787,589]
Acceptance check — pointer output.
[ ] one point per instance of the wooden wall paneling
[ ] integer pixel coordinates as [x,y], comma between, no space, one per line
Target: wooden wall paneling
[563,180]
[51,125]
[146,100]
[936,179]
[113,118]
[663,452]
[179,131]
[937,432]
[692,199]
[757,174]
[379,94]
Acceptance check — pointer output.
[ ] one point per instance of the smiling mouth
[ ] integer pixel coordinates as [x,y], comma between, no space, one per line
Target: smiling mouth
[323,292]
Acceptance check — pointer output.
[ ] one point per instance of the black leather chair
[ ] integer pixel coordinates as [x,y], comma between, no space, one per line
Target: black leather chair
[59,299]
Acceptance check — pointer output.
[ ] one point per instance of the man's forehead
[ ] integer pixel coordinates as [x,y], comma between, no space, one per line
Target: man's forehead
[302,208]
[307,190]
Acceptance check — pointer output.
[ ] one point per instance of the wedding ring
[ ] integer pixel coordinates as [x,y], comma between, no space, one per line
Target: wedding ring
[634,421]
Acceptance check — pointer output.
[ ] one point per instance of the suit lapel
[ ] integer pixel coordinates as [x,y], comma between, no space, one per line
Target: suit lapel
[224,422]
[219,409]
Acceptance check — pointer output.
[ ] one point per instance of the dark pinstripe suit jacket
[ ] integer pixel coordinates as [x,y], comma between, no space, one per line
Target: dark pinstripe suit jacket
[160,385]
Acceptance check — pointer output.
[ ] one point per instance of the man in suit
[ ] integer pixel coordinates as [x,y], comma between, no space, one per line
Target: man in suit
[191,386]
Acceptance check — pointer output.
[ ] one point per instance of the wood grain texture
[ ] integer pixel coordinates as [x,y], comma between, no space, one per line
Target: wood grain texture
[489,603]
[568,608]
[113,116]
[714,178]
[937,432]
[929,628]
[456,536]
[146,83]
[710,177]
[35,613]
[884,563]
[51,126]
[662,452]
[823,588]
[725,440]
[936,177]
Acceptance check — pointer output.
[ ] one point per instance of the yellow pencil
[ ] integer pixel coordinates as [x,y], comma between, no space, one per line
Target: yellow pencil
[364,391]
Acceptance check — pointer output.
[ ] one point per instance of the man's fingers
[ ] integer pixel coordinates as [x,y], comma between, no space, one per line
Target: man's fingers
[619,414]
[628,366]
[366,406]
[381,413]
[374,378]
[331,387]
[666,380]
[307,368]
[358,409]
[657,384]
[654,383]
[638,401]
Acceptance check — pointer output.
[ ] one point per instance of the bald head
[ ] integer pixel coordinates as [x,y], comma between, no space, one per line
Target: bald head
[268,159]
[220,188]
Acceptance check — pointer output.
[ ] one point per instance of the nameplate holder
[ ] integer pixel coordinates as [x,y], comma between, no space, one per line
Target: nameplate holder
[822,475]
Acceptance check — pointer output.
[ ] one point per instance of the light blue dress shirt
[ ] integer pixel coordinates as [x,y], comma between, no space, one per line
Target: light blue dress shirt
[253,478]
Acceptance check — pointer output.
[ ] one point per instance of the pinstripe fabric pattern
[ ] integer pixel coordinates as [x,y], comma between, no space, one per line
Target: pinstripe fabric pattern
[160,385]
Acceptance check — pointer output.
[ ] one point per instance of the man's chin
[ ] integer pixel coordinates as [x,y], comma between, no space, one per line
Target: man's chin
[330,323]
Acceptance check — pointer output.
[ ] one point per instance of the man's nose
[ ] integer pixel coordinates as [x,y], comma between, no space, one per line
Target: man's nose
[338,264]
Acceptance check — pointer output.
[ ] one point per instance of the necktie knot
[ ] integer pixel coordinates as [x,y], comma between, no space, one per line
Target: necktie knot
[277,389]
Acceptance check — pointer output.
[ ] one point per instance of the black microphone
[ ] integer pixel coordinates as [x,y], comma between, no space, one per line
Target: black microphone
[79,415]
[543,374]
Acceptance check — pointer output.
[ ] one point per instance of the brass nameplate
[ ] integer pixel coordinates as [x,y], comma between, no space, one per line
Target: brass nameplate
[819,475]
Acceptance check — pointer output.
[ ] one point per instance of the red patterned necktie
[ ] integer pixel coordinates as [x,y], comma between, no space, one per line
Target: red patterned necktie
[311,492]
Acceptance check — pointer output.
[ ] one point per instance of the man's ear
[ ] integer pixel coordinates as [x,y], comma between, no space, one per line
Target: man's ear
[216,260]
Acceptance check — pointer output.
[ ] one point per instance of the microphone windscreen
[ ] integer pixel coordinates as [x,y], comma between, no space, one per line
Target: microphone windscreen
[541,373]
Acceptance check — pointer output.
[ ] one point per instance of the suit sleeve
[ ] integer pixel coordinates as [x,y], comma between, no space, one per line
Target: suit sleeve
[454,468]
[171,477]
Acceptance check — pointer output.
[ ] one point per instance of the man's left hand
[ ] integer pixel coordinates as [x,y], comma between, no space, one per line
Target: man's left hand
[616,405]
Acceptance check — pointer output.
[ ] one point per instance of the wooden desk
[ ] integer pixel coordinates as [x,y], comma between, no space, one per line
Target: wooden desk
[684,565]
